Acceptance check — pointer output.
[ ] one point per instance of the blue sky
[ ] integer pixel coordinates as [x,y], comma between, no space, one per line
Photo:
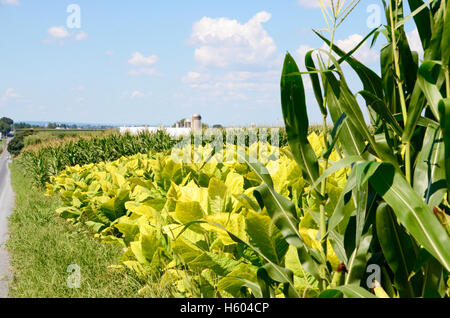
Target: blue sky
[155,62]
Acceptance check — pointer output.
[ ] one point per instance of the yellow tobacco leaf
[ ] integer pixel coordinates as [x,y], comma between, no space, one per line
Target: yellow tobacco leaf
[310,238]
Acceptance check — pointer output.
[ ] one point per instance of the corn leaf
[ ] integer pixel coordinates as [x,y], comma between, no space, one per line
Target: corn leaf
[427,78]
[412,212]
[444,110]
[382,110]
[353,291]
[310,66]
[357,262]
[416,106]
[397,249]
[371,81]
[422,20]
[445,43]
[429,174]
[350,138]
[283,214]
[296,119]
[274,271]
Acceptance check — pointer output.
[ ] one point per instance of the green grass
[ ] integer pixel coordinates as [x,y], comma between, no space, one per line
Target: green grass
[42,246]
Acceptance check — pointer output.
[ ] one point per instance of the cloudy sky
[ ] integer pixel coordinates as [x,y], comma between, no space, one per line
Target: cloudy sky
[155,62]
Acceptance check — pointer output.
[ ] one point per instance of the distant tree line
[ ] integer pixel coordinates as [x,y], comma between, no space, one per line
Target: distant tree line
[25,126]
[49,126]
[62,126]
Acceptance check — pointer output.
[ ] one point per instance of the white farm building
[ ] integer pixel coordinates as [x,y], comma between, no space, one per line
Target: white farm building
[194,124]
[175,132]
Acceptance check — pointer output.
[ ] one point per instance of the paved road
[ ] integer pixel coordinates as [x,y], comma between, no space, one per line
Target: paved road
[6,206]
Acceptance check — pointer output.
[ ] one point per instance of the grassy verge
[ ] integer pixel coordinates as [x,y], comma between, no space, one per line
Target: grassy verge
[42,246]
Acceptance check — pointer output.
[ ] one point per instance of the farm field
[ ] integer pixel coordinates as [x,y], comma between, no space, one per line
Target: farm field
[148,182]
[37,136]
[33,222]
[198,227]
[355,207]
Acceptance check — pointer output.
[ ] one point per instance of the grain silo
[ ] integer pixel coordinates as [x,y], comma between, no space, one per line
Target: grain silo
[196,122]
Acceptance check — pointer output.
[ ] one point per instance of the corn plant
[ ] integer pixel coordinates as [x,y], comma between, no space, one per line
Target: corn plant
[48,160]
[393,212]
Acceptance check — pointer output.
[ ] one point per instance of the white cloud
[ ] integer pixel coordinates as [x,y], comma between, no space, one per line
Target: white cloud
[80,88]
[81,36]
[414,42]
[301,53]
[238,62]
[59,32]
[136,94]
[109,52]
[9,94]
[223,42]
[145,63]
[252,77]
[313,3]
[138,59]
[235,83]
[143,71]
[10,2]
[195,77]
[364,54]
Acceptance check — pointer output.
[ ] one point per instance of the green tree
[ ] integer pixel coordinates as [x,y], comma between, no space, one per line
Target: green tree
[16,145]
[6,125]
